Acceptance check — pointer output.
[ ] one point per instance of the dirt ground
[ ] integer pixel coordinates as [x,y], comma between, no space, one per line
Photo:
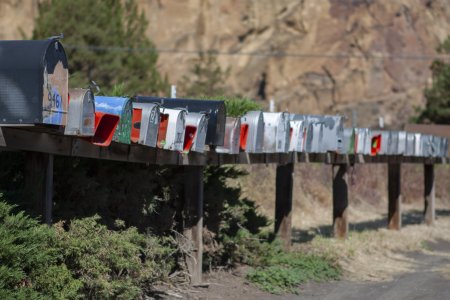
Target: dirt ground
[413,263]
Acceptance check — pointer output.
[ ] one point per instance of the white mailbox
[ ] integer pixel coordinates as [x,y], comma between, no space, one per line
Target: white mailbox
[276,132]
[195,132]
[252,132]
[81,113]
[145,123]
[232,135]
[171,129]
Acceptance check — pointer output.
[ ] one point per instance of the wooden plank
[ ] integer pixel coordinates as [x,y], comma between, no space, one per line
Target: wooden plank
[340,201]
[193,220]
[429,194]
[283,203]
[39,184]
[394,196]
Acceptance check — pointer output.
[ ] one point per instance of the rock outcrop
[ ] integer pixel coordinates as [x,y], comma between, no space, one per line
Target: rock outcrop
[364,58]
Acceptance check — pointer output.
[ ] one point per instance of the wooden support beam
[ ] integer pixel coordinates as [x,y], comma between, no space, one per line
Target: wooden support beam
[193,220]
[429,194]
[340,201]
[394,196]
[283,203]
[39,184]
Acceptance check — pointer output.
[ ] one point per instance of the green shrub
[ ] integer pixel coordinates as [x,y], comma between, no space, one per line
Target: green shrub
[31,265]
[113,264]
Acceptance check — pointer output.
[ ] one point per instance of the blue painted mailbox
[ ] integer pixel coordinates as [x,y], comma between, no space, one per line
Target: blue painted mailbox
[33,83]
[121,107]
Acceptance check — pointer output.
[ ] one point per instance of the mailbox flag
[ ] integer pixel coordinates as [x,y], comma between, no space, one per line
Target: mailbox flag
[375,145]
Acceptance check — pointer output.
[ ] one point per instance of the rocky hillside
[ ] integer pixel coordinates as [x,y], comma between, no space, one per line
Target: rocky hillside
[333,55]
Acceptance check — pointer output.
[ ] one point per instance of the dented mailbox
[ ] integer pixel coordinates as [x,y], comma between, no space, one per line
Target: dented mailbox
[81,113]
[215,110]
[195,132]
[33,83]
[145,124]
[276,132]
[324,134]
[121,107]
[252,132]
[232,135]
[171,129]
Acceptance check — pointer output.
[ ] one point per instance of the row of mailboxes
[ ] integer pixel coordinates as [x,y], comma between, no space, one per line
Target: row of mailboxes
[33,83]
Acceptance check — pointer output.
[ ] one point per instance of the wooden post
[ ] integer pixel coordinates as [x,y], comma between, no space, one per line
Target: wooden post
[283,203]
[394,196]
[39,184]
[340,201]
[429,194]
[193,220]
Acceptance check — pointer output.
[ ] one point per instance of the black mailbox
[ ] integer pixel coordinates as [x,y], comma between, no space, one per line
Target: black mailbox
[214,108]
[33,83]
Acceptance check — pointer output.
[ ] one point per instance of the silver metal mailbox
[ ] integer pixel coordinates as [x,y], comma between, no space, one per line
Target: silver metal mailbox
[348,143]
[329,131]
[444,147]
[232,136]
[410,145]
[298,136]
[383,138]
[145,123]
[314,137]
[81,113]
[171,131]
[418,150]
[362,141]
[252,132]
[195,132]
[392,147]
[401,147]
[276,132]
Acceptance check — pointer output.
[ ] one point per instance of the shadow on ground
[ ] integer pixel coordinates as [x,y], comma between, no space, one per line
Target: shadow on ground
[410,217]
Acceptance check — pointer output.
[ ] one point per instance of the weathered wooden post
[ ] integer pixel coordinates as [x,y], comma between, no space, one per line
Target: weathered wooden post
[394,196]
[340,201]
[39,183]
[429,194]
[193,220]
[283,203]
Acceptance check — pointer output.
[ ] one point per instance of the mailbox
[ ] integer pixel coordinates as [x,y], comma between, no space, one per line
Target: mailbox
[298,136]
[232,135]
[348,143]
[252,132]
[214,108]
[145,124]
[81,113]
[375,144]
[171,129]
[392,147]
[121,107]
[401,147]
[195,132]
[444,147]
[362,141]
[410,144]
[276,132]
[33,83]
[327,133]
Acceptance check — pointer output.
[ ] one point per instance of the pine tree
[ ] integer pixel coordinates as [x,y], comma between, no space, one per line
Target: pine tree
[437,109]
[98,36]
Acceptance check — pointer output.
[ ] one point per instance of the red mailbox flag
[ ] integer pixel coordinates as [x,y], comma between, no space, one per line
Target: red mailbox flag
[375,145]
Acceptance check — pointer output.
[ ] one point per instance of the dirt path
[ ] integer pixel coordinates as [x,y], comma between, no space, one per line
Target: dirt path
[430,280]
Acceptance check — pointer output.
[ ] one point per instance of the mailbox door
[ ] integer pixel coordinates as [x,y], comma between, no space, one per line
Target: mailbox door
[271,122]
[252,132]
[195,132]
[105,126]
[283,133]
[333,131]
[162,131]
[145,124]
[200,138]
[232,134]
[348,144]
[314,138]
[409,151]
[444,147]
[401,148]
[385,140]
[81,113]
[297,137]
[418,145]
[175,129]
[393,143]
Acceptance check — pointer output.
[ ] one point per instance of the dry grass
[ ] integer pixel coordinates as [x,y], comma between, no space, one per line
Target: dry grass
[371,252]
